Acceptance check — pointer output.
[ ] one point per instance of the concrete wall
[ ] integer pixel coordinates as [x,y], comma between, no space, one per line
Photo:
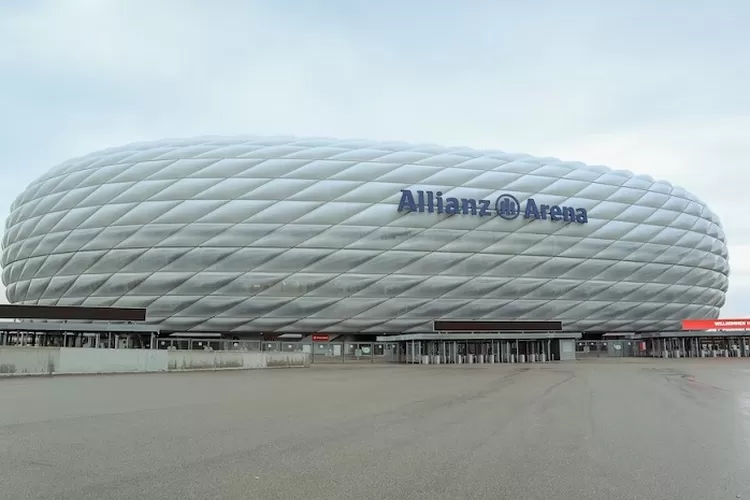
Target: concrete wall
[278,359]
[567,350]
[21,360]
[204,360]
[217,360]
[47,360]
[84,360]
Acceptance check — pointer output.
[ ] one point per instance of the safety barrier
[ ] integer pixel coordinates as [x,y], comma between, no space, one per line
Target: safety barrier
[81,360]
[218,360]
[20,360]
[319,352]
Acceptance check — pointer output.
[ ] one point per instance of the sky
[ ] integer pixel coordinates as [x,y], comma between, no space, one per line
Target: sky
[659,88]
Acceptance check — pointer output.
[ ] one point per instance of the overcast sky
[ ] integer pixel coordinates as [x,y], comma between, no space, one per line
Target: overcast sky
[661,88]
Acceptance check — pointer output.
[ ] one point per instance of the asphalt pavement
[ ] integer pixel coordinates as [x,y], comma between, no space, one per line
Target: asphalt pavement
[609,429]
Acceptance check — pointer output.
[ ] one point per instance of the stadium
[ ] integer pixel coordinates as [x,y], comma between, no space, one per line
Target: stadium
[246,236]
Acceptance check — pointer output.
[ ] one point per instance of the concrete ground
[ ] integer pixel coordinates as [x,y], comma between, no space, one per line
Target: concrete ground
[609,429]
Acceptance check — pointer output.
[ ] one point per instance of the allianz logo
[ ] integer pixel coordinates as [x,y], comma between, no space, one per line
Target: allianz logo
[506,206]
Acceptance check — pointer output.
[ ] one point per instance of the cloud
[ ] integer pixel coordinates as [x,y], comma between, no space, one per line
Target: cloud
[652,88]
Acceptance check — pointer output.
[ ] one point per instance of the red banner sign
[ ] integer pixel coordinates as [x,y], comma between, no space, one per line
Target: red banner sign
[320,338]
[716,324]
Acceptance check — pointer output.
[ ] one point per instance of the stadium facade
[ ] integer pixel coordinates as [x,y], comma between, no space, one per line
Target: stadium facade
[251,234]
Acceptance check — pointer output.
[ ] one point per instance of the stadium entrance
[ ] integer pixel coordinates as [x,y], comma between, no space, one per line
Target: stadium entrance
[698,338]
[459,349]
[733,344]
[480,342]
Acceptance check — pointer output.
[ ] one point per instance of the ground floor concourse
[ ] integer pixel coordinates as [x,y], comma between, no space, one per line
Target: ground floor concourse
[446,348]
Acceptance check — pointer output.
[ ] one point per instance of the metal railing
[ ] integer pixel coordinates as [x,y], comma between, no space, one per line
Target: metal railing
[695,347]
[320,352]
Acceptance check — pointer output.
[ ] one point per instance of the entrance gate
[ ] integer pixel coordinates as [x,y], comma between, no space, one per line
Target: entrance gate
[703,346]
[606,348]
[482,348]
[675,344]
[478,352]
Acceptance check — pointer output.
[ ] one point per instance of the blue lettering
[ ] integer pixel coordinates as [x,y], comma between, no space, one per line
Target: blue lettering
[569,214]
[468,206]
[484,208]
[506,206]
[451,206]
[543,209]
[420,202]
[407,201]
[555,213]
[582,217]
[531,212]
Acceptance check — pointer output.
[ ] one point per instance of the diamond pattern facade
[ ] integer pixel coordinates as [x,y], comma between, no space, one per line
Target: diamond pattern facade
[303,235]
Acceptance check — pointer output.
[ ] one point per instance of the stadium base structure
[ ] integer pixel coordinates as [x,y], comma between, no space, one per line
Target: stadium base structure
[72,326]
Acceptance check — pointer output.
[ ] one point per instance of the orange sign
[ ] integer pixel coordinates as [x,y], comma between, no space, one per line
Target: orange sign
[716,324]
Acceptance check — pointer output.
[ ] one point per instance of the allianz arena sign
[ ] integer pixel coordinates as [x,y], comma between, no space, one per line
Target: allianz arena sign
[505,206]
